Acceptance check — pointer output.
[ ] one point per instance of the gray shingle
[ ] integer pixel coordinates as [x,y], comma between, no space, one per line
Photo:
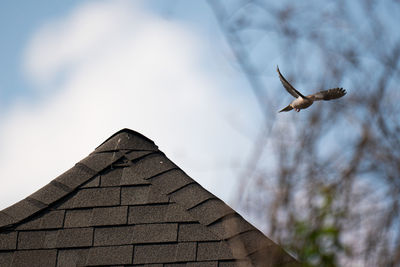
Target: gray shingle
[78,218]
[130,178]
[33,239]
[272,256]
[157,214]
[195,232]
[249,242]
[96,216]
[203,264]
[50,193]
[164,253]
[214,251]
[93,197]
[111,177]
[8,241]
[210,211]
[191,195]
[51,220]
[230,226]
[110,216]
[95,182]
[239,263]
[171,180]
[35,258]
[100,161]
[134,155]
[110,255]
[155,233]
[72,257]
[5,219]
[142,194]
[22,209]
[150,166]
[6,258]
[79,237]
[74,177]
[138,234]
[110,236]
[75,237]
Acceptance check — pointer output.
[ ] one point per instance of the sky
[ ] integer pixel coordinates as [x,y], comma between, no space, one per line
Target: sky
[72,73]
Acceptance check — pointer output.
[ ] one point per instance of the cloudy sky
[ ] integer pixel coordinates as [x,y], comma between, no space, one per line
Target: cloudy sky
[74,72]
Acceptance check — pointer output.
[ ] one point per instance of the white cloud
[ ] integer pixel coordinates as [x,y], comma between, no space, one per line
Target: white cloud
[114,65]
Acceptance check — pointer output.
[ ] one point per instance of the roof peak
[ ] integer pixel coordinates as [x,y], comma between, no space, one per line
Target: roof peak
[127,139]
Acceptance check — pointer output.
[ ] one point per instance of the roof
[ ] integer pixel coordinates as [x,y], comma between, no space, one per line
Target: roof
[128,204]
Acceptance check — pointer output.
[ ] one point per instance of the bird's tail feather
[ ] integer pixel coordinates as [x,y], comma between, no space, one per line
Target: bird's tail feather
[288,108]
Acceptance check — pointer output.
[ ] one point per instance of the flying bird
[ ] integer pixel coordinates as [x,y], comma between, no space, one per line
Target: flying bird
[301,101]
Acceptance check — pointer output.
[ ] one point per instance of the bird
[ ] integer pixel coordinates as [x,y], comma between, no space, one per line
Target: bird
[303,102]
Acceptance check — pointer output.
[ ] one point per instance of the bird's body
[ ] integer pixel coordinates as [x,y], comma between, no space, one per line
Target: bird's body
[301,101]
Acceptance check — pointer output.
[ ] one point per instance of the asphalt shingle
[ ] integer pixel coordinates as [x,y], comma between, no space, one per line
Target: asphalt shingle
[191,195]
[96,216]
[22,209]
[128,204]
[75,176]
[165,253]
[53,219]
[111,177]
[171,180]
[35,258]
[72,257]
[142,194]
[110,255]
[8,241]
[93,197]
[155,233]
[6,258]
[249,242]
[218,250]
[79,237]
[94,182]
[98,161]
[158,214]
[150,166]
[203,264]
[230,226]
[134,155]
[64,238]
[50,193]
[5,219]
[210,211]
[110,236]
[195,232]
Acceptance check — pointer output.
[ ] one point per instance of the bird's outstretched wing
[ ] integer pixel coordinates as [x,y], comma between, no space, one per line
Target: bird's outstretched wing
[288,86]
[329,94]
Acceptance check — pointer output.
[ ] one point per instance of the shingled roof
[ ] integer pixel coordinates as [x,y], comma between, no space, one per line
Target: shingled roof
[127,204]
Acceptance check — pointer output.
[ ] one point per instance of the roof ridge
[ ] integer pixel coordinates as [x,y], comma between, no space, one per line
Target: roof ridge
[129,131]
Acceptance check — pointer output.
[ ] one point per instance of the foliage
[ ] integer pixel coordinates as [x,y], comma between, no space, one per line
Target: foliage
[351,146]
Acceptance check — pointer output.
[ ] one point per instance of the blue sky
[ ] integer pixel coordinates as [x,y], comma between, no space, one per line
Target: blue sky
[74,72]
